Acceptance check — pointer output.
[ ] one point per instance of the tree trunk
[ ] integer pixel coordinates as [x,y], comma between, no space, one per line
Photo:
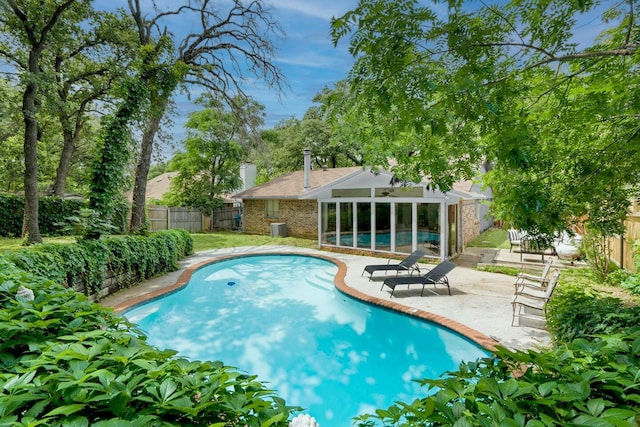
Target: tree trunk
[64,166]
[144,163]
[30,226]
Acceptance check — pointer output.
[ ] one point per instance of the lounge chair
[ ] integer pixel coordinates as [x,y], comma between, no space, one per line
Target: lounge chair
[436,276]
[532,304]
[532,281]
[408,264]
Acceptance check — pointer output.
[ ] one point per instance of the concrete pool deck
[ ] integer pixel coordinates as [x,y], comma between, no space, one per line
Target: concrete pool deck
[479,306]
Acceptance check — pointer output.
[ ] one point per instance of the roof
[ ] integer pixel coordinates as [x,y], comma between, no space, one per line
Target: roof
[291,186]
[156,187]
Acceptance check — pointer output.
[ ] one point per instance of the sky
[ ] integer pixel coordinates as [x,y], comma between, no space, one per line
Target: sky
[305,55]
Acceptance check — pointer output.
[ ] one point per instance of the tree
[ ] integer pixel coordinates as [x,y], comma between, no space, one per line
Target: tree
[441,92]
[216,57]
[28,27]
[85,69]
[210,166]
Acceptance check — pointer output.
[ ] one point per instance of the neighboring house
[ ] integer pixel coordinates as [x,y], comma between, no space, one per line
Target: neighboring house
[225,218]
[356,208]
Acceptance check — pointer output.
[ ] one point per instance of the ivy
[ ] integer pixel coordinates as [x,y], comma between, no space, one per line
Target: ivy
[83,265]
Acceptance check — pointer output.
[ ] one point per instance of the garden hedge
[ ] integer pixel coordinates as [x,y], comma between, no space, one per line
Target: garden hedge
[53,215]
[65,361]
[84,266]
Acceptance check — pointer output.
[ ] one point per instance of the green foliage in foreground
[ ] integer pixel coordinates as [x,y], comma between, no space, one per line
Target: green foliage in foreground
[65,361]
[577,311]
[586,382]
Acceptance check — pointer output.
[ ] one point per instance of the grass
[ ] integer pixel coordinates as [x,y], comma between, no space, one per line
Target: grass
[229,239]
[15,243]
[491,238]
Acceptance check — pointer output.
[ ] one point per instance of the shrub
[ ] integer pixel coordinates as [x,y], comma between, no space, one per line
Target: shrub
[69,362]
[577,311]
[83,265]
[52,218]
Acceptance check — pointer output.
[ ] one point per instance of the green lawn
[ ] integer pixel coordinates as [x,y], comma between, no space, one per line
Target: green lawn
[491,238]
[230,239]
[201,241]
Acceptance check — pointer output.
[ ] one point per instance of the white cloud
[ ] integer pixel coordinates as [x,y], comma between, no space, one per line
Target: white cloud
[321,9]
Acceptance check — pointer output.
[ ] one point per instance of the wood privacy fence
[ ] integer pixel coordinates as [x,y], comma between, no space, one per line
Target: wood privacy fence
[166,218]
[621,247]
[227,218]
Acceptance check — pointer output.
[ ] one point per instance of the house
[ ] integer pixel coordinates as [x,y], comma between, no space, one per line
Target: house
[358,208]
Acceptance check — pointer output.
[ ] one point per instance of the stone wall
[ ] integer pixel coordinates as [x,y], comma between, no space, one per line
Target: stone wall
[300,216]
[470,221]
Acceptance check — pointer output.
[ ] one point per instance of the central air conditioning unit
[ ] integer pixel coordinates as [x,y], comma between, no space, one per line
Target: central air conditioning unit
[278,229]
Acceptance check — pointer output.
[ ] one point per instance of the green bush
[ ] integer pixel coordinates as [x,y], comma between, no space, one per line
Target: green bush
[83,265]
[52,214]
[577,311]
[68,362]
[583,383]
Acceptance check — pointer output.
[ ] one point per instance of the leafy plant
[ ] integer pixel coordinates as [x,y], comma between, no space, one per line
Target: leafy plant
[595,246]
[83,266]
[576,311]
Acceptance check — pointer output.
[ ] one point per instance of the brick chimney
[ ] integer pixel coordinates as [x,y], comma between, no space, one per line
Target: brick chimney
[307,168]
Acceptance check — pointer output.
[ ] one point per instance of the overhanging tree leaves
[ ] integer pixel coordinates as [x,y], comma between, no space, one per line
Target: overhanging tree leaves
[440,90]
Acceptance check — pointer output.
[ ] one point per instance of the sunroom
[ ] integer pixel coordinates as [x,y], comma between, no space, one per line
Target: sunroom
[370,211]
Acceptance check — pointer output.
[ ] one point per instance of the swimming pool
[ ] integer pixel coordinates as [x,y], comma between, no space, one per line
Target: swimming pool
[281,317]
[403,238]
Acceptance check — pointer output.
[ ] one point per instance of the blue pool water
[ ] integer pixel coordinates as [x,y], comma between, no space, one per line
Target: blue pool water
[403,238]
[280,317]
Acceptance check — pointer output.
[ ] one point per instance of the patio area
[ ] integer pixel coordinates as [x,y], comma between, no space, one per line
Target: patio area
[479,306]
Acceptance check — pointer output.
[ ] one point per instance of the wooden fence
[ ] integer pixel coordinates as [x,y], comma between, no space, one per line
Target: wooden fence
[621,248]
[227,218]
[166,218]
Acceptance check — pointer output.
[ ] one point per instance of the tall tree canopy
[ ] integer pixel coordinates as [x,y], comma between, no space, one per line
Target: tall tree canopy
[440,88]
[27,29]
[215,145]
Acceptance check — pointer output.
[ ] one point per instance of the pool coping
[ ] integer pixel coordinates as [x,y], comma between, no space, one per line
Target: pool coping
[477,337]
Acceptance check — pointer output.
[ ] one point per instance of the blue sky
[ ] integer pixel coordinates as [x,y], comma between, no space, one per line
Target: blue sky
[306,56]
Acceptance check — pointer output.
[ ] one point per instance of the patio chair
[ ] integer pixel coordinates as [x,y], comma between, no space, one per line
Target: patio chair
[532,304]
[408,264]
[514,238]
[532,281]
[436,276]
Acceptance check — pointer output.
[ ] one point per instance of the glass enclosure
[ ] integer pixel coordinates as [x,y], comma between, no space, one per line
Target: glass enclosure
[400,226]
[364,225]
[328,221]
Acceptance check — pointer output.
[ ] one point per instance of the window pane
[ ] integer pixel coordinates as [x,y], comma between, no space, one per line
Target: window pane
[346,224]
[272,209]
[428,228]
[383,226]
[364,225]
[403,227]
[329,223]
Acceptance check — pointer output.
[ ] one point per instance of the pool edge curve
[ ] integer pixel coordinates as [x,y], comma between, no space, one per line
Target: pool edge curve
[479,338]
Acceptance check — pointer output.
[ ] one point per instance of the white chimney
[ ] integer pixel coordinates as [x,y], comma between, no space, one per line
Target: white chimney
[247,175]
[307,168]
